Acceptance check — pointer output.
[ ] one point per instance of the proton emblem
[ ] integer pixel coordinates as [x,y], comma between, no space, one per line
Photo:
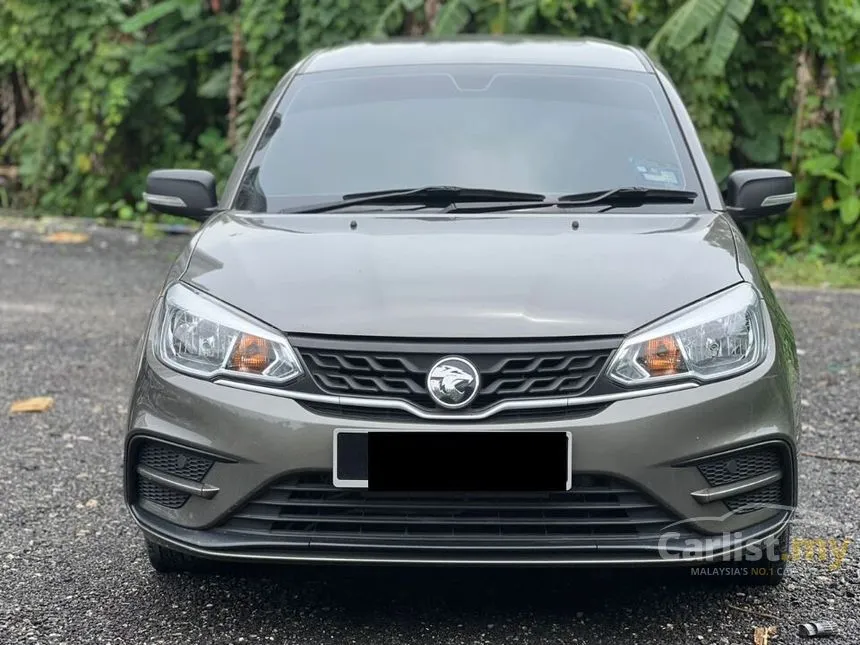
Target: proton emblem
[453,382]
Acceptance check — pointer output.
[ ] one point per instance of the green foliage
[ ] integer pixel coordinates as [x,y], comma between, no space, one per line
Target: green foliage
[271,45]
[811,269]
[115,88]
[453,17]
[115,94]
[842,166]
[392,15]
[815,105]
[720,20]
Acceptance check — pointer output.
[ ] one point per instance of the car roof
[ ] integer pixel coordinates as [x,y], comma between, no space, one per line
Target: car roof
[575,52]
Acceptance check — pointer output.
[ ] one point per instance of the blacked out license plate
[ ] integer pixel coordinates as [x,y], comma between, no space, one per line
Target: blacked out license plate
[452,461]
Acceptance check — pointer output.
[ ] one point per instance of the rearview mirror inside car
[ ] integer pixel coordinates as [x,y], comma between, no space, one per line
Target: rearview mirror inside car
[186,193]
[758,192]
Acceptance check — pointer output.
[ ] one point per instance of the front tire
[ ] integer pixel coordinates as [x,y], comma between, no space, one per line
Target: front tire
[166,560]
[777,565]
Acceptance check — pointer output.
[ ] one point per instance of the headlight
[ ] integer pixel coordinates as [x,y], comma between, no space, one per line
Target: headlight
[715,338]
[200,336]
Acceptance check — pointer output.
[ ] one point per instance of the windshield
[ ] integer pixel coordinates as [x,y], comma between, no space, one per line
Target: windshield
[552,131]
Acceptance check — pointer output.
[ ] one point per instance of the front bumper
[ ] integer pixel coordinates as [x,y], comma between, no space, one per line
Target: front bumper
[652,446]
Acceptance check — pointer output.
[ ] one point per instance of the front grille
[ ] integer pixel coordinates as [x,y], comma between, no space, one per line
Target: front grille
[745,465]
[767,497]
[158,494]
[307,506]
[359,412]
[382,369]
[174,461]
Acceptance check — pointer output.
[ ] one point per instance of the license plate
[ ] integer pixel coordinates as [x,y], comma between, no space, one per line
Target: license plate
[452,461]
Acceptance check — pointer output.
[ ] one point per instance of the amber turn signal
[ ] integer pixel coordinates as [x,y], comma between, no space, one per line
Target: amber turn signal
[251,354]
[662,357]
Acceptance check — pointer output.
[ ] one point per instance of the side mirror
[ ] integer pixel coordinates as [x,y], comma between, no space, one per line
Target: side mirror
[187,193]
[754,193]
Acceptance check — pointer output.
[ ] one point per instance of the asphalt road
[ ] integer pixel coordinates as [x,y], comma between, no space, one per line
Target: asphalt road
[72,567]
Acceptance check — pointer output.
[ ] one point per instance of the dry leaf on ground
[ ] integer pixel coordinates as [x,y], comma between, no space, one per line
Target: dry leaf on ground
[36,404]
[762,635]
[66,237]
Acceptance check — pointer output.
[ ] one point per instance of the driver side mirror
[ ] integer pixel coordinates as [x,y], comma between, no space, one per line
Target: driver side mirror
[756,193]
[186,193]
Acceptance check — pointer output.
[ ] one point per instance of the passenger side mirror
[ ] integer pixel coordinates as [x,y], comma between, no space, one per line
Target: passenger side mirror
[755,193]
[186,193]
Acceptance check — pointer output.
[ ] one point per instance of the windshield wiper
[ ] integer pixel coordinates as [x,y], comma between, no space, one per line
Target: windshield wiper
[623,196]
[429,195]
[627,194]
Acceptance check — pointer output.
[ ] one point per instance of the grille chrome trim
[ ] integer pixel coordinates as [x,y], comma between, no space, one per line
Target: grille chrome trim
[517,404]
[394,415]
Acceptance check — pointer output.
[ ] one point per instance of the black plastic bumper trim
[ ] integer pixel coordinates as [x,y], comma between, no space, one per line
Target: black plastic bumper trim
[177,483]
[717,493]
[212,545]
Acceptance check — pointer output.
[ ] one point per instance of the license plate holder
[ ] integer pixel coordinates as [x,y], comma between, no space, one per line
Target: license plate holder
[447,461]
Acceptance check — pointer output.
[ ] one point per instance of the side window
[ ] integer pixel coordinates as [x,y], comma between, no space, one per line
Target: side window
[691,138]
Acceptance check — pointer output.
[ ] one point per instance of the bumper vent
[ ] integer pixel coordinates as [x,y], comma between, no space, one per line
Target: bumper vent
[744,465]
[174,461]
[307,506]
[161,495]
[768,496]
[398,370]
[167,460]
[740,467]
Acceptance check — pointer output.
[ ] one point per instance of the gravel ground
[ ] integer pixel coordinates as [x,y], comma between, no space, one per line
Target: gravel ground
[72,568]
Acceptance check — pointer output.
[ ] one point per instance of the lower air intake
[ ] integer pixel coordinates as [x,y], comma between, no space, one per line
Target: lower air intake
[744,465]
[767,497]
[173,461]
[169,460]
[308,506]
[161,495]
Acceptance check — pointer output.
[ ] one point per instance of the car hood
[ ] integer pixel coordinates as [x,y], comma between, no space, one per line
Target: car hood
[515,275]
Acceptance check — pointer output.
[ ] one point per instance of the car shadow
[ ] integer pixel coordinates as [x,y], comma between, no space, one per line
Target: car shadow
[367,594]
